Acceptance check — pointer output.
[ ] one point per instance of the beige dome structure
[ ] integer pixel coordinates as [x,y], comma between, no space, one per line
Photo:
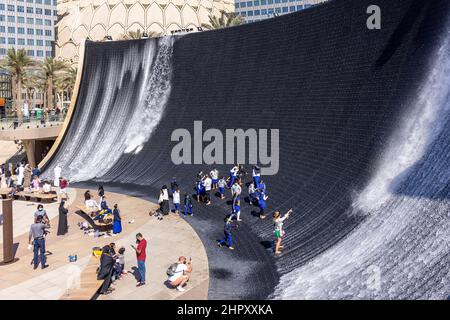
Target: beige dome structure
[95,19]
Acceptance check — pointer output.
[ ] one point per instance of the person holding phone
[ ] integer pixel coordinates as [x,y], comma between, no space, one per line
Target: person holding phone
[140,256]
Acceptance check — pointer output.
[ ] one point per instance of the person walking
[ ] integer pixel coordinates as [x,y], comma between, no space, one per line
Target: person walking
[164,200]
[188,205]
[176,199]
[278,221]
[20,174]
[56,175]
[62,221]
[36,238]
[117,224]
[228,238]
[140,256]
[207,182]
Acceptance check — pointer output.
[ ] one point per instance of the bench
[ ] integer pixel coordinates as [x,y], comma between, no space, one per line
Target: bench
[89,285]
[5,193]
[86,212]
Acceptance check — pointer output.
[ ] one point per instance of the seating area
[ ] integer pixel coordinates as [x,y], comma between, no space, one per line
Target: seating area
[29,196]
[103,224]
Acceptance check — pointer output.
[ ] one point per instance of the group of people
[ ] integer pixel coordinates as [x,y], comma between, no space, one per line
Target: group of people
[101,209]
[207,183]
[24,178]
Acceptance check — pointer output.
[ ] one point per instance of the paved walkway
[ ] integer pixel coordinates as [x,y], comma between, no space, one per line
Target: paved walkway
[167,240]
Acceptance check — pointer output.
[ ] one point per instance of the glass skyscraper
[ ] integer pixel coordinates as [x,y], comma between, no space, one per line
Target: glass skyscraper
[256,10]
[29,25]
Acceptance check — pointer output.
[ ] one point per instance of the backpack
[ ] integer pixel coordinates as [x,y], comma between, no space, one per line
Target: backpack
[172,269]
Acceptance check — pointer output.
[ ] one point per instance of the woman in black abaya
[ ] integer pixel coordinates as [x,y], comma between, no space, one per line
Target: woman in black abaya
[62,223]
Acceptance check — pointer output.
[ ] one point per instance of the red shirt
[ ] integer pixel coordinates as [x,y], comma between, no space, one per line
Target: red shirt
[141,247]
[63,184]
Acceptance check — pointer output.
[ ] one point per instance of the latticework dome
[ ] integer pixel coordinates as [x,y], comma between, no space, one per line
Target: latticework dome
[95,19]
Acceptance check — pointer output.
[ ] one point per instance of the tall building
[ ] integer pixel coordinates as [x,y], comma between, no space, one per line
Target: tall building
[97,19]
[28,24]
[256,10]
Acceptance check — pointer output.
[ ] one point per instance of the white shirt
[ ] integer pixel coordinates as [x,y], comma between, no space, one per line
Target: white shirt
[236,189]
[47,187]
[207,183]
[256,173]
[21,171]
[176,197]
[234,171]
[222,183]
[251,188]
[91,203]
[214,174]
[179,271]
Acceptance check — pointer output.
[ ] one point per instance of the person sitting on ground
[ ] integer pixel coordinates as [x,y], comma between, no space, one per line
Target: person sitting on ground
[188,205]
[222,183]
[106,270]
[228,238]
[176,199]
[178,273]
[104,206]
[47,187]
[41,213]
[89,202]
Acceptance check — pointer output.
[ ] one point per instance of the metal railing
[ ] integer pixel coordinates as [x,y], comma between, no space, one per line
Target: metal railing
[31,122]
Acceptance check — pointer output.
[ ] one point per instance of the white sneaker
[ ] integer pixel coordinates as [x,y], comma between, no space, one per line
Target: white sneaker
[181,289]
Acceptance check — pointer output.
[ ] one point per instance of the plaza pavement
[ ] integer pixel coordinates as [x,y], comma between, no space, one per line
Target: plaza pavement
[167,240]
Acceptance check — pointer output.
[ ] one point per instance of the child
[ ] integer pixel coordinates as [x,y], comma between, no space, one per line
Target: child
[221,184]
[228,239]
[176,199]
[173,185]
[256,175]
[215,177]
[236,207]
[187,204]
[262,204]
[36,182]
[252,193]
[119,265]
[233,175]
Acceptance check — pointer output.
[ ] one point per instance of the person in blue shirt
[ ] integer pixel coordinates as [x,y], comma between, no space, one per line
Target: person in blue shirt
[188,205]
[262,197]
[236,207]
[228,237]
[233,175]
[261,186]
[256,174]
[104,206]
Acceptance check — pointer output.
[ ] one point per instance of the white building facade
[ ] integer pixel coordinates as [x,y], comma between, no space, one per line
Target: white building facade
[29,25]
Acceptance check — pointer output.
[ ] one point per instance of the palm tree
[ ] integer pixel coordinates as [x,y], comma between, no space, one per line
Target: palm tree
[225,20]
[31,82]
[16,62]
[50,70]
[65,84]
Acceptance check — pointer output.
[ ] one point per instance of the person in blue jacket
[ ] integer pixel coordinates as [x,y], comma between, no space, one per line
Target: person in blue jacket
[228,237]
[262,197]
[188,205]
